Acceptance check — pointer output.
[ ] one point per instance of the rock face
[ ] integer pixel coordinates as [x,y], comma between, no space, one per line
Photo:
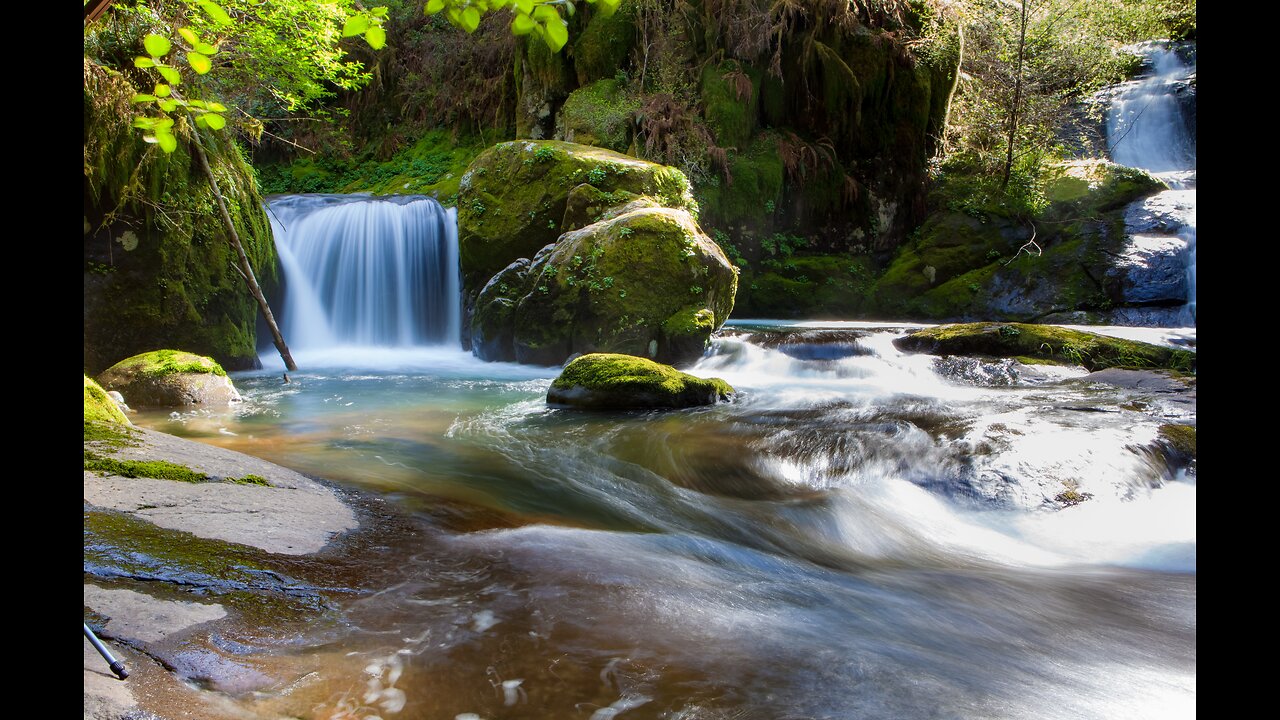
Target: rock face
[170,378]
[633,273]
[1045,342]
[604,381]
[157,268]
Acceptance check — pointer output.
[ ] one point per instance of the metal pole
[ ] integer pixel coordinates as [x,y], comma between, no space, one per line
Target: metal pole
[116,666]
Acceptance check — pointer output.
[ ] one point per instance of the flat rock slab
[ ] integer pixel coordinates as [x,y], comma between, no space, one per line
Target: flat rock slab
[105,697]
[142,618]
[295,516]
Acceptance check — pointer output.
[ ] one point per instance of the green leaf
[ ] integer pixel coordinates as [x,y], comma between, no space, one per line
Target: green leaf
[557,34]
[434,6]
[189,35]
[355,25]
[163,90]
[380,11]
[522,24]
[169,74]
[206,48]
[168,142]
[470,19]
[141,98]
[201,121]
[215,121]
[526,6]
[145,123]
[216,106]
[200,63]
[608,7]
[545,13]
[169,105]
[215,13]
[156,45]
[376,37]
[144,62]
[163,124]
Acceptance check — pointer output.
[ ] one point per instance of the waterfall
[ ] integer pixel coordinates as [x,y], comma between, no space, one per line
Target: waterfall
[363,271]
[1146,128]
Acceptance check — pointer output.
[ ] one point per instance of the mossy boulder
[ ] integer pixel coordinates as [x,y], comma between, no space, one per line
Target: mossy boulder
[1044,342]
[99,407]
[158,269]
[598,114]
[512,199]
[812,286]
[646,282]
[605,381]
[170,378]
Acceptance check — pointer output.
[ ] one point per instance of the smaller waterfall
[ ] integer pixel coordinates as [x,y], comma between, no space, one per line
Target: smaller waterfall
[1146,128]
[363,271]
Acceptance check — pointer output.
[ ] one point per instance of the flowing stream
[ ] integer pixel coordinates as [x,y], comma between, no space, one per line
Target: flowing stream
[1146,128]
[861,534]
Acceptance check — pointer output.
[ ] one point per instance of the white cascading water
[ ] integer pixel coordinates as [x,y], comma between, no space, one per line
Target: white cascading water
[1146,129]
[367,272]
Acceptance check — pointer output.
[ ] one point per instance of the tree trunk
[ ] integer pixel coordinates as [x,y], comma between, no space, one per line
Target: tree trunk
[246,269]
[1017,97]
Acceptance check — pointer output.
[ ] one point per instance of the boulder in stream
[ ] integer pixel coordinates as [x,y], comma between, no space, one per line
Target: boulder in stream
[170,378]
[606,381]
[1044,342]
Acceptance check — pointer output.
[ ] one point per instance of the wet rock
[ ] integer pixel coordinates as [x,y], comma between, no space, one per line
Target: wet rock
[170,378]
[603,381]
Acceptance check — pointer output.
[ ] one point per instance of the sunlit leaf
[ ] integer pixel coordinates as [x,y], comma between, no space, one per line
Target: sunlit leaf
[169,105]
[544,13]
[470,19]
[608,7]
[557,34]
[141,98]
[434,6]
[380,11]
[355,25]
[522,24]
[526,6]
[216,106]
[167,141]
[200,63]
[215,12]
[201,121]
[169,74]
[156,45]
[144,62]
[163,90]
[215,121]
[376,37]
[206,48]
[189,35]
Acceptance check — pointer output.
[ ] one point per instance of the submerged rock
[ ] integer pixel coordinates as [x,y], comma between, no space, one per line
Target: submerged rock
[1044,342]
[170,378]
[603,381]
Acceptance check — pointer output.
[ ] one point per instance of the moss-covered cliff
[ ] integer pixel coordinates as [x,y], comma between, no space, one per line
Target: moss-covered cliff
[158,270]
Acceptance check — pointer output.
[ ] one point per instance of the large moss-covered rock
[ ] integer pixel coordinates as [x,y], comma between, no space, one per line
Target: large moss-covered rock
[99,407]
[512,199]
[598,114]
[965,261]
[645,282]
[170,378]
[1045,342]
[603,381]
[157,267]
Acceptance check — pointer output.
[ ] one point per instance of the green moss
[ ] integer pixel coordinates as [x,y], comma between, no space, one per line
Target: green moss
[598,114]
[604,45]
[99,408]
[158,469]
[162,363]
[817,286]
[731,102]
[754,190]
[249,480]
[1047,342]
[603,381]
[1182,438]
